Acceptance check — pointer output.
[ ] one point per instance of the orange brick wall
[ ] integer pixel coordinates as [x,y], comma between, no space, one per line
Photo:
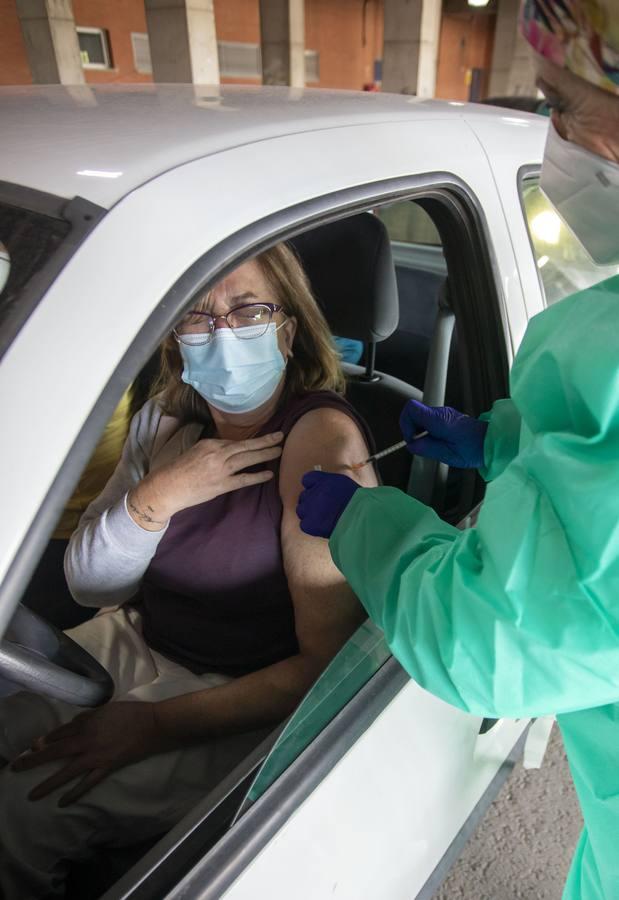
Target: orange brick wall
[334,29]
[466,43]
[14,66]
[337,32]
[238,20]
[348,35]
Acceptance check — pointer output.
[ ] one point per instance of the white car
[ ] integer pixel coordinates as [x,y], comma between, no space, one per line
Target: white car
[117,205]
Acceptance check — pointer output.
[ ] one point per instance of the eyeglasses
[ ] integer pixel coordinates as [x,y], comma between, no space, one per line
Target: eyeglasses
[246,323]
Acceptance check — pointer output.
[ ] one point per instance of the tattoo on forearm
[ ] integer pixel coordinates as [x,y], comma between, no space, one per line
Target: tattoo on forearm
[142,515]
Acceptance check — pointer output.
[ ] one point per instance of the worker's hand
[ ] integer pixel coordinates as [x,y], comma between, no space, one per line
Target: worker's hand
[323,501]
[452,438]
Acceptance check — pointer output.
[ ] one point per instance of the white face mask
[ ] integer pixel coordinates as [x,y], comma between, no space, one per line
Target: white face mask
[232,374]
[584,189]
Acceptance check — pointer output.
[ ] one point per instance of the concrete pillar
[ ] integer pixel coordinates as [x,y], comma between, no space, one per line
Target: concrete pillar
[51,41]
[410,54]
[282,40]
[183,41]
[512,72]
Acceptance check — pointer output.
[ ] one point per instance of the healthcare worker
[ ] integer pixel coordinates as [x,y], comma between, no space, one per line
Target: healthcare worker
[519,616]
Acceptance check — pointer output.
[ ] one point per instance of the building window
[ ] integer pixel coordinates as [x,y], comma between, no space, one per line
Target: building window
[238,60]
[94,48]
[141,53]
[312,68]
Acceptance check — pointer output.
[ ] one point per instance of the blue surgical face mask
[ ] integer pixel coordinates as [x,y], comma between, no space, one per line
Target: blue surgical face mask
[234,375]
[584,188]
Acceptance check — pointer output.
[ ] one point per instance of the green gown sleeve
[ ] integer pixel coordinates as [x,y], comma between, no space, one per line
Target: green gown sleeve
[502,438]
[518,616]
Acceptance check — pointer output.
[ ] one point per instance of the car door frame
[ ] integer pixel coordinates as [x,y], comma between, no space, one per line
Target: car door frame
[431,189]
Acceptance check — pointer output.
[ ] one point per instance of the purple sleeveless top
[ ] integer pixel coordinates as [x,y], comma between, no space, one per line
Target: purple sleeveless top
[215,596]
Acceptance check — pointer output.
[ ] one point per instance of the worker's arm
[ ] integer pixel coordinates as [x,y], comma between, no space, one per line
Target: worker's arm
[502,438]
[516,617]
[520,615]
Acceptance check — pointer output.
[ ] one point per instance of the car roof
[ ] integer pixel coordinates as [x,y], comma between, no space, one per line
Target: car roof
[101,142]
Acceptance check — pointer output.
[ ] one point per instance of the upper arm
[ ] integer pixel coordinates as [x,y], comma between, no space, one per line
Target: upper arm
[326,610]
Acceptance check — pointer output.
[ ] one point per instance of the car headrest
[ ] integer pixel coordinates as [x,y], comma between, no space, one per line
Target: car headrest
[351,271]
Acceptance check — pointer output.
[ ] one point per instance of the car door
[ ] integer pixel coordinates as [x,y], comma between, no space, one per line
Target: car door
[432,756]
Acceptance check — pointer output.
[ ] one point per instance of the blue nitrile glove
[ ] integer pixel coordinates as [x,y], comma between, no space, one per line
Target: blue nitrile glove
[323,501]
[452,438]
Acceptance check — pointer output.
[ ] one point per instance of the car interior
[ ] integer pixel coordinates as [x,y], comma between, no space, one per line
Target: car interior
[380,277]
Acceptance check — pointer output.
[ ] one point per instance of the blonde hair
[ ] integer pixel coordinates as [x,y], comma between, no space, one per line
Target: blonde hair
[314,366]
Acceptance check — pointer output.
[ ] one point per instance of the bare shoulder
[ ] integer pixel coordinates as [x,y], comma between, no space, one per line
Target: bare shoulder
[324,437]
[325,417]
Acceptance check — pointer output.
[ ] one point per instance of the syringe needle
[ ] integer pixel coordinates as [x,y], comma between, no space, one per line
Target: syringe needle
[385,452]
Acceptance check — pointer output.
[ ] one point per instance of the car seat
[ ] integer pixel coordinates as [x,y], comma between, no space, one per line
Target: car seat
[350,267]
[351,272]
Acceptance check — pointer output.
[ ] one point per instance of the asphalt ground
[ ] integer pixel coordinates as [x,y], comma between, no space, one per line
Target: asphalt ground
[523,846]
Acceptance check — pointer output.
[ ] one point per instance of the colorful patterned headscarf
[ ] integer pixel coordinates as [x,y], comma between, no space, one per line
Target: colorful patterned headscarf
[579,35]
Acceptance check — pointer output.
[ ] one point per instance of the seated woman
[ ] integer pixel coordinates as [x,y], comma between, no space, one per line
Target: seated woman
[225,612]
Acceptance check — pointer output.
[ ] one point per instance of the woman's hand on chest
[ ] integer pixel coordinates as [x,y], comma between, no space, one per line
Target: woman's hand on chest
[209,468]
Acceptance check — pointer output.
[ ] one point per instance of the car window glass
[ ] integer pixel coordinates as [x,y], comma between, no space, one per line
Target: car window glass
[27,240]
[5,266]
[564,265]
[358,660]
[409,223]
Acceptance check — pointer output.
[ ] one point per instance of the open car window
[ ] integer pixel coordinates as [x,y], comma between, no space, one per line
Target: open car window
[415,241]
[408,223]
[421,276]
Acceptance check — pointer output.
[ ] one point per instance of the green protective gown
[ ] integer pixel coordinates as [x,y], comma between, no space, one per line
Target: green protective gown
[519,616]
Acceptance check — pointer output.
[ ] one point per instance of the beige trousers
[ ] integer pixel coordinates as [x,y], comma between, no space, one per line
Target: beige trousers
[39,839]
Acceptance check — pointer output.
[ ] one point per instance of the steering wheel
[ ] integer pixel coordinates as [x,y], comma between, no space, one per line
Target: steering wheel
[36,656]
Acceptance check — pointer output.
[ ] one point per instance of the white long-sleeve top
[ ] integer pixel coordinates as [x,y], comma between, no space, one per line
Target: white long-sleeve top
[109,552]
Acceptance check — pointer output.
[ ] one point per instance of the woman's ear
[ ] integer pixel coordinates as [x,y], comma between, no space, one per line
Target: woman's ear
[289,330]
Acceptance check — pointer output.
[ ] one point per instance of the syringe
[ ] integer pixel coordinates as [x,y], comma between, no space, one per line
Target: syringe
[385,452]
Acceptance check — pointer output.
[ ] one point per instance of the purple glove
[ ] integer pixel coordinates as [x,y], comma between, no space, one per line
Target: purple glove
[323,501]
[453,438]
